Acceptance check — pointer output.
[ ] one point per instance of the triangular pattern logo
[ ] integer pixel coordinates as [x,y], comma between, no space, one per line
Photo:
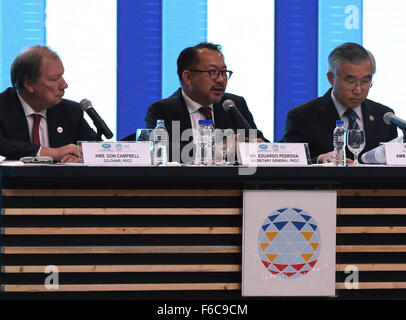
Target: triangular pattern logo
[289,243]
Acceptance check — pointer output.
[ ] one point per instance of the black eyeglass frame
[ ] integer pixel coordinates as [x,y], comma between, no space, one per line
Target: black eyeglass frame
[214,74]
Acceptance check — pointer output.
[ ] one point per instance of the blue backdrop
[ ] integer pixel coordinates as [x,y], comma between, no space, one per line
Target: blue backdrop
[150,35]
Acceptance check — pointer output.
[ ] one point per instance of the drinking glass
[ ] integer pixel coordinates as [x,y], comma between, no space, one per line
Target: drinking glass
[224,144]
[148,136]
[144,135]
[356,143]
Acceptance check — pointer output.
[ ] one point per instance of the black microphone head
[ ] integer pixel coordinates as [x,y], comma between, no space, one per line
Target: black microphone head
[387,116]
[228,104]
[85,104]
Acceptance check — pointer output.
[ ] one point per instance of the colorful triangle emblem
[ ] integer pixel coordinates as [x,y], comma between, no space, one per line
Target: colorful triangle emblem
[271,235]
[264,245]
[307,235]
[271,256]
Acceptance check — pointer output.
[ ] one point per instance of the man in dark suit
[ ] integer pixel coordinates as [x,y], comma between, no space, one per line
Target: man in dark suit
[203,76]
[34,119]
[351,68]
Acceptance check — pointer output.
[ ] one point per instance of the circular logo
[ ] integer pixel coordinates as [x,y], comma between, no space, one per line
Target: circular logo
[289,243]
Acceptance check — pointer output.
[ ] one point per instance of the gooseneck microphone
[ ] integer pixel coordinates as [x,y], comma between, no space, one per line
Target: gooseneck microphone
[101,126]
[389,118]
[229,106]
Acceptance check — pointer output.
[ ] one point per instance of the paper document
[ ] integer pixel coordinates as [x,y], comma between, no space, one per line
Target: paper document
[377,155]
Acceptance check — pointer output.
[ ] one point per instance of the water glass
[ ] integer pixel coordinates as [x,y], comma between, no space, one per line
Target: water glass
[146,135]
[224,145]
[356,143]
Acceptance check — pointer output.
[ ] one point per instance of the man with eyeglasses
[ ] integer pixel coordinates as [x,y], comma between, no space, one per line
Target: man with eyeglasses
[351,68]
[203,77]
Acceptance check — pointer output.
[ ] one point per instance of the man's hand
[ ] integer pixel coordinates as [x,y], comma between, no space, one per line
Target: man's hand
[329,157]
[68,153]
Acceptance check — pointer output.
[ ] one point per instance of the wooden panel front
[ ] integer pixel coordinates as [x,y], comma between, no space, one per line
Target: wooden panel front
[144,241]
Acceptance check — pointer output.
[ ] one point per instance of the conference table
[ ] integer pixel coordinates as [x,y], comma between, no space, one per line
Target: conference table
[75,231]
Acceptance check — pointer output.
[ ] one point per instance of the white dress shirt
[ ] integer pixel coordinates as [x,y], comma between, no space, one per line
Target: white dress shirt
[194,113]
[341,109]
[43,125]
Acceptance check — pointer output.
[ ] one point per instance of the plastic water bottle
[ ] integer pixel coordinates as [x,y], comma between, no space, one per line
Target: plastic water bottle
[339,141]
[206,142]
[161,140]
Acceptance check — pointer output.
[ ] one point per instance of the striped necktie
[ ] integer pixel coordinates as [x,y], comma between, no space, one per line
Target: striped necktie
[206,111]
[352,117]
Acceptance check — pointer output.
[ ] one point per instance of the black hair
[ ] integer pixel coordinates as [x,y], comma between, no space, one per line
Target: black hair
[188,58]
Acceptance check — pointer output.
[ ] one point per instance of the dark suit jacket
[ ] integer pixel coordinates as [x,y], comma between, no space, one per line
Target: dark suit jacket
[174,109]
[314,123]
[15,138]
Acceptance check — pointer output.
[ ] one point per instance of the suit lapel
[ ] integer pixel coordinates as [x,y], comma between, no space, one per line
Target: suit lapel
[328,112]
[369,118]
[220,117]
[184,114]
[18,120]
[55,124]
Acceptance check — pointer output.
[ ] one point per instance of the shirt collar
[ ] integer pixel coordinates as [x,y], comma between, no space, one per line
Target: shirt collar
[28,110]
[341,109]
[193,106]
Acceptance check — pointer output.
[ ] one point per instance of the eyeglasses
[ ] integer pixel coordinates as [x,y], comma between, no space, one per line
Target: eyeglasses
[364,84]
[214,74]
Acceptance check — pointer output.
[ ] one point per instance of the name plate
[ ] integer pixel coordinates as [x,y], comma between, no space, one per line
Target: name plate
[395,154]
[273,154]
[116,153]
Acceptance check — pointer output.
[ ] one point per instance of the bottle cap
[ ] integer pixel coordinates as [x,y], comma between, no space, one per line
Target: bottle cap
[339,123]
[205,122]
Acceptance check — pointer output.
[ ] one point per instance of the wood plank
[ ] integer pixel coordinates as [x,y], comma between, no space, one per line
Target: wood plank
[371,211]
[371,192]
[123,211]
[124,287]
[121,249]
[121,192]
[123,230]
[178,192]
[374,285]
[371,229]
[173,286]
[178,211]
[129,268]
[175,230]
[183,268]
[371,248]
[374,266]
[180,249]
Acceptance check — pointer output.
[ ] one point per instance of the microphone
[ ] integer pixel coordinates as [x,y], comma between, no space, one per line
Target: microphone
[229,106]
[389,118]
[101,126]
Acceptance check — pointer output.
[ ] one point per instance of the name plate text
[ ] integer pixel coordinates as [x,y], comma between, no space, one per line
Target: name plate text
[116,153]
[395,154]
[273,154]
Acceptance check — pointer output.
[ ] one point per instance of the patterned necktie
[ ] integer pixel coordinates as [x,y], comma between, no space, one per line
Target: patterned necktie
[35,129]
[352,117]
[206,111]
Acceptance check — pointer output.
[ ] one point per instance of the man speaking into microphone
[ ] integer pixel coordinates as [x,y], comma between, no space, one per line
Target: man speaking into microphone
[35,120]
[203,76]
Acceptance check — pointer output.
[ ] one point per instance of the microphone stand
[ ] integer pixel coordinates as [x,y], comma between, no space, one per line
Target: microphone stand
[99,132]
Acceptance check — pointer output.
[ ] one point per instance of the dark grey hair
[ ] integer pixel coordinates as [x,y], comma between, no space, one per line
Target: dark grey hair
[349,52]
[27,65]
